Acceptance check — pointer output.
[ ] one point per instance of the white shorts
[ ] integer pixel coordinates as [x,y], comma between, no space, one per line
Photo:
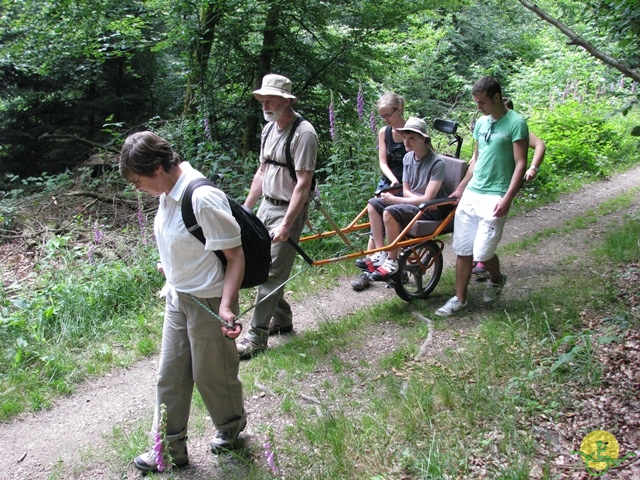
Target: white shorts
[476,231]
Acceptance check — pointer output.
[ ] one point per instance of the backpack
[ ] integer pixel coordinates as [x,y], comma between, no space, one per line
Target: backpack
[256,242]
[287,151]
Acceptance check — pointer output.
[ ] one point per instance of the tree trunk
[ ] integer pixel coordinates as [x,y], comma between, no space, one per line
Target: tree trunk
[210,15]
[270,33]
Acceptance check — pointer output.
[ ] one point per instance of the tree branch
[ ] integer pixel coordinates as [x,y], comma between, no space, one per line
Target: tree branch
[575,39]
[52,136]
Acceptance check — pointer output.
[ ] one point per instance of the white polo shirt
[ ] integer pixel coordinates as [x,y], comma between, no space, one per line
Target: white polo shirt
[189,266]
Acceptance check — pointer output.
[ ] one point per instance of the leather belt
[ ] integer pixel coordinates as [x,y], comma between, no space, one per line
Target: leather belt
[273,201]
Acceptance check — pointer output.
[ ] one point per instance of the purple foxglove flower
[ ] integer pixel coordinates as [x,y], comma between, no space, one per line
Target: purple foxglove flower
[98,235]
[270,457]
[158,449]
[360,103]
[372,122]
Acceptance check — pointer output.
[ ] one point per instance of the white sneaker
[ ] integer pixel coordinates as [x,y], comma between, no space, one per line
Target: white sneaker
[371,263]
[452,307]
[389,267]
[494,290]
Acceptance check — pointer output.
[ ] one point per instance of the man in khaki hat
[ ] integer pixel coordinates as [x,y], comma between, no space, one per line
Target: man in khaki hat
[284,189]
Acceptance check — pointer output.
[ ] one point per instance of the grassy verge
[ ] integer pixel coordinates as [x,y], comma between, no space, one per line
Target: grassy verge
[472,409]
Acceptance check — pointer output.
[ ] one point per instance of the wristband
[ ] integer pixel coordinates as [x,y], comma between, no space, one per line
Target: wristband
[535,168]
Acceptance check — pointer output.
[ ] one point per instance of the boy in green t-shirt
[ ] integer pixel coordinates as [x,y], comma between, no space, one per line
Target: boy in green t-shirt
[492,181]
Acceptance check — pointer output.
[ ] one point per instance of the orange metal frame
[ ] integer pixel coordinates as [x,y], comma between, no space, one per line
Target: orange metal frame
[403,240]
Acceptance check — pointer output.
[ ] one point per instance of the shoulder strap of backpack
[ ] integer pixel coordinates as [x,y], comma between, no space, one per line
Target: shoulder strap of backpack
[189,217]
[287,149]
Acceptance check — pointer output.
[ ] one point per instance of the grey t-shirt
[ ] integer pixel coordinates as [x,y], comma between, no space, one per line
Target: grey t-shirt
[418,172]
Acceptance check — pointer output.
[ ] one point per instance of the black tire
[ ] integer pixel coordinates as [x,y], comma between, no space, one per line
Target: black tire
[419,270]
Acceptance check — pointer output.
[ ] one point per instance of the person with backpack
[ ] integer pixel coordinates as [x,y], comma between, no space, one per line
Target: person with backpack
[391,152]
[200,293]
[284,179]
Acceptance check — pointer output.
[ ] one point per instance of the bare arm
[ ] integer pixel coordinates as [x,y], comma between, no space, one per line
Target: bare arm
[382,158]
[520,155]
[232,279]
[539,149]
[255,192]
[298,199]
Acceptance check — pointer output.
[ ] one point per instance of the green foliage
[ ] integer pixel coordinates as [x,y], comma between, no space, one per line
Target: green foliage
[579,138]
[69,325]
[579,359]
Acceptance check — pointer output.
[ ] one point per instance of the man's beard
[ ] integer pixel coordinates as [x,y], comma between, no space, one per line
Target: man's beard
[273,116]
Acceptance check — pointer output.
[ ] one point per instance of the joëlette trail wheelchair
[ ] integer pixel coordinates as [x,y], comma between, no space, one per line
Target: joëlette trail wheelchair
[420,262]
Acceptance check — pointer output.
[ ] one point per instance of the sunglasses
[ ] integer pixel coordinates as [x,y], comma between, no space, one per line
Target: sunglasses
[387,116]
[489,131]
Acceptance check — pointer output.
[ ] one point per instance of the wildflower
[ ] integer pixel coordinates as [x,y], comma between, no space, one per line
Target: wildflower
[360,103]
[270,456]
[633,87]
[622,81]
[98,235]
[142,221]
[159,451]
[332,121]
[372,122]
[163,458]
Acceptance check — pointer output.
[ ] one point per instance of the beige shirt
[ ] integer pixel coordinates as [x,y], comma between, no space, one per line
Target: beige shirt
[277,182]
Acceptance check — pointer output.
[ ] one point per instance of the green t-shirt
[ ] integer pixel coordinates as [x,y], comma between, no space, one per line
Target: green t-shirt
[495,164]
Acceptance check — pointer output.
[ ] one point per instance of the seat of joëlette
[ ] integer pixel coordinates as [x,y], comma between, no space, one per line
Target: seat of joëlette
[454,173]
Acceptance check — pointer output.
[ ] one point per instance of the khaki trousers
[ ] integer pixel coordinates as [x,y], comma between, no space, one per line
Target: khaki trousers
[195,351]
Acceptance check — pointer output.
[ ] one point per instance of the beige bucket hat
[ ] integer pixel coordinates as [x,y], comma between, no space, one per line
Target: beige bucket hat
[273,84]
[416,125]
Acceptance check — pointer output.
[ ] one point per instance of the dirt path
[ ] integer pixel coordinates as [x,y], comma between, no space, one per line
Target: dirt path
[32,445]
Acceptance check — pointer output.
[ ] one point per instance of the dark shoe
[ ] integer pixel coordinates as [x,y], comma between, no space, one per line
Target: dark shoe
[247,349]
[277,329]
[363,281]
[147,462]
[389,268]
[224,441]
[369,264]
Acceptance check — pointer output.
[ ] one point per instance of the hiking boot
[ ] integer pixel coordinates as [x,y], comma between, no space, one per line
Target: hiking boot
[452,307]
[224,441]
[389,268]
[275,329]
[370,264]
[480,272]
[148,462]
[247,349]
[494,290]
[362,282]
